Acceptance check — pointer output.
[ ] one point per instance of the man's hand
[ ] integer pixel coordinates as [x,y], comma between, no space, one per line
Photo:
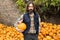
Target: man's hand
[19,30]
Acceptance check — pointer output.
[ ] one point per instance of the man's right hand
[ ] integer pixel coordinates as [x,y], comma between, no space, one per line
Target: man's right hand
[19,30]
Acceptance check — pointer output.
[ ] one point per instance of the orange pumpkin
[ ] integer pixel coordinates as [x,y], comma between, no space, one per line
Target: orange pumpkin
[22,26]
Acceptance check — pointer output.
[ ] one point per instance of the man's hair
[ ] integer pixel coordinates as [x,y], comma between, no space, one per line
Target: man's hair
[28,6]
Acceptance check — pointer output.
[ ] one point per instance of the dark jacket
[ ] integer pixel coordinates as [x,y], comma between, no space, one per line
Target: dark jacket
[27,21]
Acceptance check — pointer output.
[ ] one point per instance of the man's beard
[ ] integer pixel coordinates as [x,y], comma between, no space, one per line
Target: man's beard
[30,11]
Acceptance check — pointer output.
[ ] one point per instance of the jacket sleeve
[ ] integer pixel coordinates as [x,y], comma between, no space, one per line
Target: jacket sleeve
[39,23]
[19,20]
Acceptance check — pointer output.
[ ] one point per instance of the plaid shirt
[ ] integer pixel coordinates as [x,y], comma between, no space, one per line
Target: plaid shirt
[32,28]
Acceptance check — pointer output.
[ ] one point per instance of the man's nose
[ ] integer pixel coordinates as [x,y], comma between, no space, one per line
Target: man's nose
[30,8]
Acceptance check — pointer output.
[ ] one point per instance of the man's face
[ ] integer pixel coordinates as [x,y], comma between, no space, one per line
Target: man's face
[30,8]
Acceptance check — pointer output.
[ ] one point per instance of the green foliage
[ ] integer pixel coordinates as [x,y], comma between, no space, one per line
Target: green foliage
[21,5]
[39,2]
[46,3]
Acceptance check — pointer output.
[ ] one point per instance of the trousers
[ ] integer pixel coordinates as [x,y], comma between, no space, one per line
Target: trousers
[30,37]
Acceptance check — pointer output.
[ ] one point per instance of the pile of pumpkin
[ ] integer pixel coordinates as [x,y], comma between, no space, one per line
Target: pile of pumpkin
[48,31]
[9,33]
